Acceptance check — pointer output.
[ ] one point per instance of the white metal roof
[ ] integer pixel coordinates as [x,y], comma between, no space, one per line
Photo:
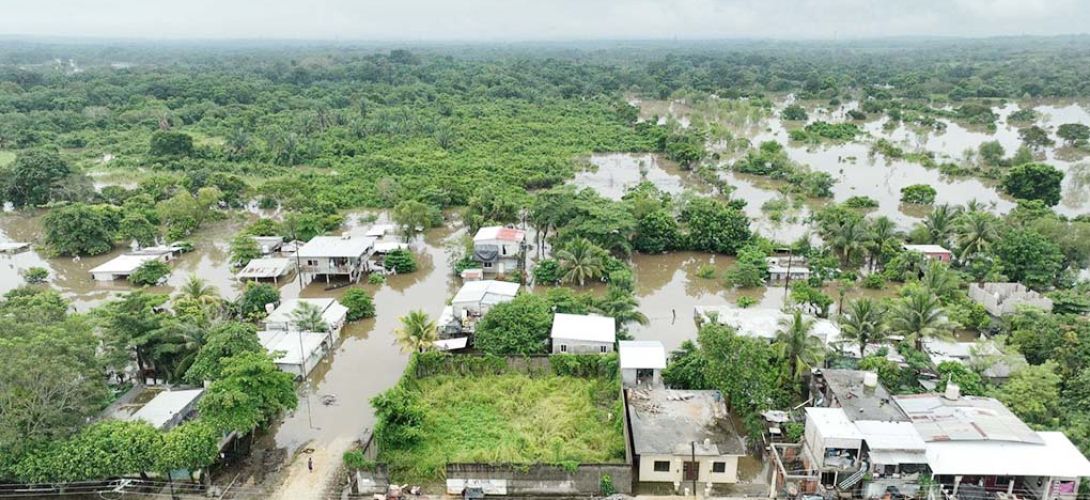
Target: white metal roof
[451,344]
[926,248]
[1055,457]
[166,405]
[332,311]
[337,246]
[266,268]
[967,418]
[642,354]
[390,246]
[881,435]
[380,230]
[486,291]
[287,344]
[123,264]
[762,322]
[584,327]
[833,423]
[499,233]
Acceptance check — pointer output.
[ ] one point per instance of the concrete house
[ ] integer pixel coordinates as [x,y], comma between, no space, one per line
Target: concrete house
[684,438]
[760,322]
[333,313]
[783,268]
[933,252]
[473,301]
[1005,298]
[499,249]
[337,256]
[975,445]
[642,362]
[583,334]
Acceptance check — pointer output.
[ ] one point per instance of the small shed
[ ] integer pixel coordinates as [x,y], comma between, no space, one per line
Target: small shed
[642,362]
[168,408]
[583,333]
[294,352]
[272,268]
[268,244]
[475,298]
[123,266]
[933,252]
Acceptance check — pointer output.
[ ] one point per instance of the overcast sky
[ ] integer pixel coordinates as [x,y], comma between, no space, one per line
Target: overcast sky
[436,20]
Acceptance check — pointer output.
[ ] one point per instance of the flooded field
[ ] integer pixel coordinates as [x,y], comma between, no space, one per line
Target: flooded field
[612,174]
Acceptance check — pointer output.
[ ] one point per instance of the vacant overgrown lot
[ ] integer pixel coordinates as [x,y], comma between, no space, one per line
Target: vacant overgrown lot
[498,418]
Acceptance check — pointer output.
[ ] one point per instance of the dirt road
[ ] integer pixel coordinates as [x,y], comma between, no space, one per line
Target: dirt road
[301,483]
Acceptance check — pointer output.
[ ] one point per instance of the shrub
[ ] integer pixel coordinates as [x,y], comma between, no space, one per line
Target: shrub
[150,273]
[795,113]
[466,262]
[402,261]
[376,279]
[252,302]
[874,281]
[861,202]
[746,301]
[793,431]
[706,271]
[750,270]
[519,327]
[1034,181]
[359,304]
[919,194]
[547,271]
[606,485]
[36,275]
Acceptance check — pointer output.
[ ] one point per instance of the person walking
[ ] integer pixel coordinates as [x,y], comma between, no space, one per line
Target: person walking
[310,464]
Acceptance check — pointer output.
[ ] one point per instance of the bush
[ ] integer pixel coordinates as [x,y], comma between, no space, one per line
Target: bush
[354,459]
[750,270]
[36,275]
[793,431]
[706,271]
[861,202]
[746,301]
[919,194]
[605,485]
[252,302]
[874,281]
[150,273]
[376,279]
[466,262]
[1034,181]
[794,113]
[516,328]
[359,304]
[547,272]
[402,261]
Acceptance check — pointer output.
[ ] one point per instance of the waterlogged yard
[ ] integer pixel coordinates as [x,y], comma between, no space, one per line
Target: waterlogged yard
[505,418]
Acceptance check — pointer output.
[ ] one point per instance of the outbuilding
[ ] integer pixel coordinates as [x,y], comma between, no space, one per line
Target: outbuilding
[642,362]
[333,313]
[272,268]
[583,334]
[295,352]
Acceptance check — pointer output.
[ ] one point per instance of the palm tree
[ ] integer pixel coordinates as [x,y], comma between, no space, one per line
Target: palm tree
[797,346]
[919,316]
[975,232]
[864,323]
[581,260]
[417,333]
[939,279]
[849,239]
[940,224]
[196,295]
[621,306]
[177,347]
[884,239]
[307,317]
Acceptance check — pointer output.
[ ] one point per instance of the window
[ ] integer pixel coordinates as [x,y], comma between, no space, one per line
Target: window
[563,347]
[603,348]
[662,466]
[487,264]
[719,467]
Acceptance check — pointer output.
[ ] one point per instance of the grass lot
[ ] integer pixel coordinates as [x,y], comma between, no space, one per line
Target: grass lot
[510,418]
[6,157]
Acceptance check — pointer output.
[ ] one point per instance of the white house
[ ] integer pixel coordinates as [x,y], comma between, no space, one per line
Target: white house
[761,322]
[333,313]
[337,256]
[681,437]
[475,298]
[272,268]
[976,442]
[168,408]
[499,249]
[1005,298]
[787,267]
[583,333]
[268,244]
[642,362]
[122,266]
[295,352]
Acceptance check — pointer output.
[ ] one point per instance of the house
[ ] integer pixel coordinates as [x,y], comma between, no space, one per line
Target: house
[272,268]
[682,437]
[268,244]
[474,300]
[337,256]
[857,392]
[499,249]
[976,445]
[1005,298]
[993,363]
[333,313]
[787,268]
[583,333]
[295,352]
[124,265]
[642,362]
[380,231]
[933,252]
[168,408]
[760,322]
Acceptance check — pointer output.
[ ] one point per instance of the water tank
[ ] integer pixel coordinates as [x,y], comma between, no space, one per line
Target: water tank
[953,392]
[870,379]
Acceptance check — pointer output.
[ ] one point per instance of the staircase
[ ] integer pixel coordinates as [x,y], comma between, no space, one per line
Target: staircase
[853,479]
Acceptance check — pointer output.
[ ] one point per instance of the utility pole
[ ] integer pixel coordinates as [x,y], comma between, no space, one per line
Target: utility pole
[302,355]
[693,464]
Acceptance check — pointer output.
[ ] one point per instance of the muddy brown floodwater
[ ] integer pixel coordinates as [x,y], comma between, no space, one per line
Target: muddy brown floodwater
[612,174]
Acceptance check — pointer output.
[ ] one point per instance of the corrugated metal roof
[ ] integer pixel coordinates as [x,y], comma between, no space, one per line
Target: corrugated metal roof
[499,233]
[332,311]
[287,344]
[833,423]
[266,268]
[486,291]
[165,406]
[967,418]
[123,264]
[337,246]
[1053,456]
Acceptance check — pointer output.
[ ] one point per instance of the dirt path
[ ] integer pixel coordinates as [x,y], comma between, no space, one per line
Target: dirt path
[301,483]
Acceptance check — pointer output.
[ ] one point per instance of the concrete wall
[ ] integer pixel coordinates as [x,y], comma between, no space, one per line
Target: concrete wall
[647,471]
[538,479]
[581,347]
[628,377]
